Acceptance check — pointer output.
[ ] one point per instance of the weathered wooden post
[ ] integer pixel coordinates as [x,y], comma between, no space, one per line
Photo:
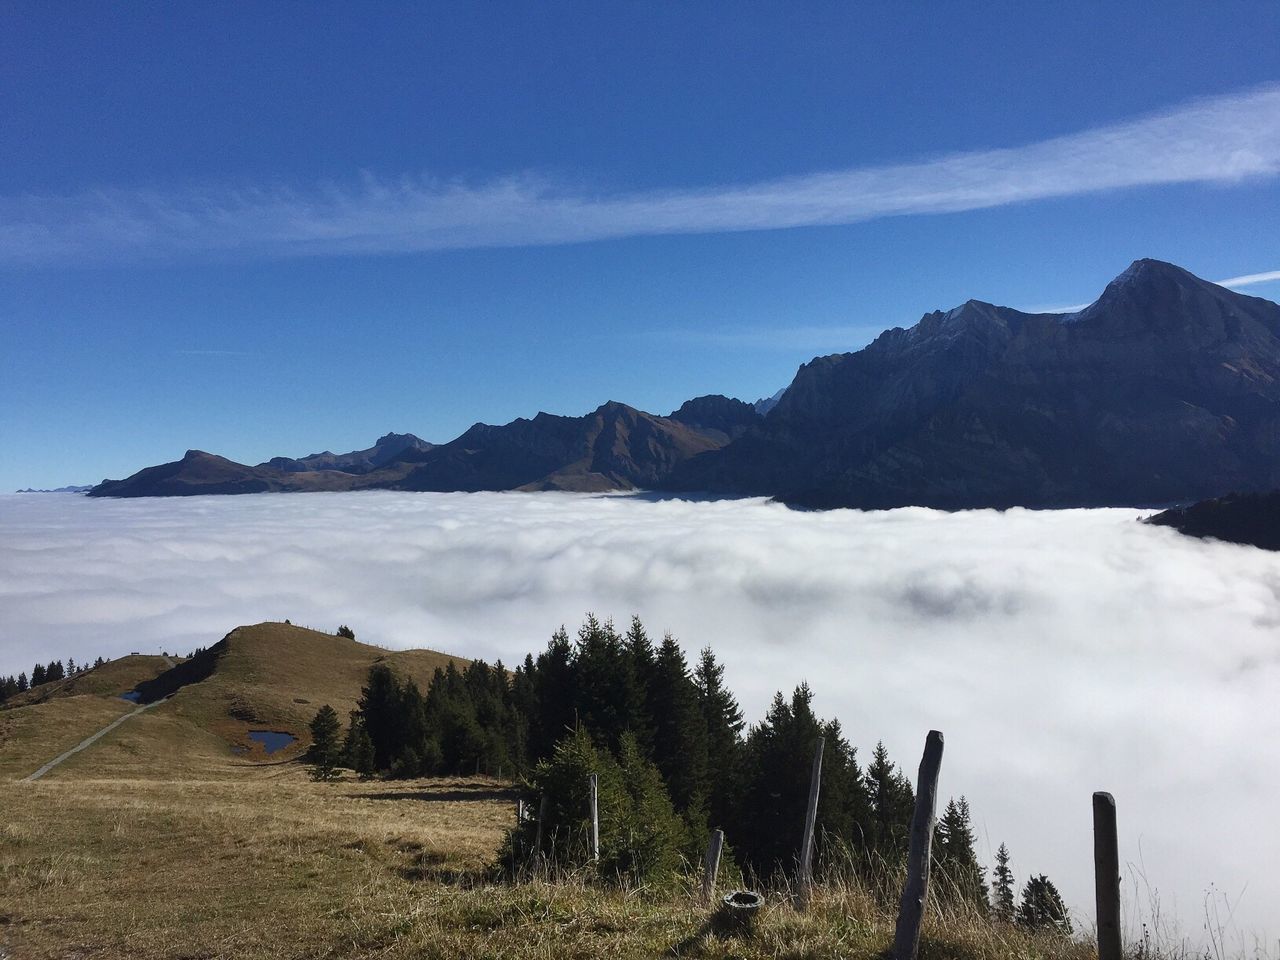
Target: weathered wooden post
[593,783]
[712,865]
[1106,875]
[810,824]
[519,811]
[542,816]
[906,939]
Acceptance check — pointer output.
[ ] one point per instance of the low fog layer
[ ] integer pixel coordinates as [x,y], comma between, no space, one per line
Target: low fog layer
[1060,652]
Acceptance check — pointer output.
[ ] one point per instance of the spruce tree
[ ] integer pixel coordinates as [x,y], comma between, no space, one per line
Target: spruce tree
[358,748]
[553,687]
[38,675]
[380,710]
[23,684]
[1002,903]
[680,735]
[723,719]
[893,802]
[326,752]
[956,858]
[777,764]
[1042,907]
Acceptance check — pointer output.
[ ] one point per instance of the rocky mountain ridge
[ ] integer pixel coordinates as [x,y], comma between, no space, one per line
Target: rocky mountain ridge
[1165,389]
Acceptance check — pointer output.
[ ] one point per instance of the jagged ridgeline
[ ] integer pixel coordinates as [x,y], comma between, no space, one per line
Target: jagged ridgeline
[673,757]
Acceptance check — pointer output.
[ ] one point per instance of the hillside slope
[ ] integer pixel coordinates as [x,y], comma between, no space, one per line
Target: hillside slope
[266,677]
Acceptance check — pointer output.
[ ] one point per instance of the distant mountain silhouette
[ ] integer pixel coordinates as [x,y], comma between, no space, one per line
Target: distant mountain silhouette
[615,447]
[387,449]
[1250,518]
[1166,389]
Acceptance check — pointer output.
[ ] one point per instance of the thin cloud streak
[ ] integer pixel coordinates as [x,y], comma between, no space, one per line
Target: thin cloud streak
[1249,279]
[1233,283]
[1216,140]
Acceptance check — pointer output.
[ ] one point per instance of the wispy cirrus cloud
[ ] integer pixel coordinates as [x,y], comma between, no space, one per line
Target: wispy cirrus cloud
[1216,140]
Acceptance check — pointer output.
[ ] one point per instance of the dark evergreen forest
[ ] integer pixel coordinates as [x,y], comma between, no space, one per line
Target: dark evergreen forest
[673,755]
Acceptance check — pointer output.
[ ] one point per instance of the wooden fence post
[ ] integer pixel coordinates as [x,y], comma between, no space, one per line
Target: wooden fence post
[1106,875]
[542,816]
[810,824]
[593,783]
[906,939]
[711,868]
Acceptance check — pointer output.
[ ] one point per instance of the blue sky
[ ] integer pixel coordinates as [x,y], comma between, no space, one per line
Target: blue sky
[273,229]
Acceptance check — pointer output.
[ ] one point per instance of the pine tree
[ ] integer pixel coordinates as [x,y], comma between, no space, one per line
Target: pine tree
[326,752]
[1002,904]
[345,631]
[955,855]
[553,688]
[893,802]
[723,719]
[607,694]
[38,675]
[358,748]
[680,735]
[1042,907]
[380,710]
[23,684]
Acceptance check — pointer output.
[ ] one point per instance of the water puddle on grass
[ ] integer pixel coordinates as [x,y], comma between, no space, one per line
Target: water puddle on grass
[271,740]
[133,696]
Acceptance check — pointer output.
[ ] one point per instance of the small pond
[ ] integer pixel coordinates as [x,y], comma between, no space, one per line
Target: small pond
[272,741]
[133,696]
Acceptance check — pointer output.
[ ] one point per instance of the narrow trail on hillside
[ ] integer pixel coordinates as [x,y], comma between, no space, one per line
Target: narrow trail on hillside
[89,741]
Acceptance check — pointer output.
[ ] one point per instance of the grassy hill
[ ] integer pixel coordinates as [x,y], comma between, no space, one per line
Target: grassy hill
[270,676]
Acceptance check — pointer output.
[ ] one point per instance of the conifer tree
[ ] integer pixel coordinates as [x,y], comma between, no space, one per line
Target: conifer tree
[893,802]
[680,735]
[1002,902]
[380,711]
[23,684]
[608,696]
[1042,907]
[358,748]
[956,857]
[723,719]
[644,664]
[553,688]
[38,675]
[326,752]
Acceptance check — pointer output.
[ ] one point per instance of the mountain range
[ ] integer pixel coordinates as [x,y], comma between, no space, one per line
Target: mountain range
[1165,389]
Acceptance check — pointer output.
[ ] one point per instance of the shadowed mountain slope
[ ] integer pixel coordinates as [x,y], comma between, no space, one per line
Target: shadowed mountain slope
[387,449]
[1250,518]
[1166,388]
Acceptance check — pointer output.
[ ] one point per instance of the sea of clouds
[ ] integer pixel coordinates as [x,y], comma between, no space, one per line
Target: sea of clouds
[1060,652]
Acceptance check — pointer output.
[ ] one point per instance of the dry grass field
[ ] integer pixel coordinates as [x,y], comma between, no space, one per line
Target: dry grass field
[275,866]
[166,840]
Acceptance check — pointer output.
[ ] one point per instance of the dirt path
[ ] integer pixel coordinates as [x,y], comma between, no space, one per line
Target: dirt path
[90,741]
